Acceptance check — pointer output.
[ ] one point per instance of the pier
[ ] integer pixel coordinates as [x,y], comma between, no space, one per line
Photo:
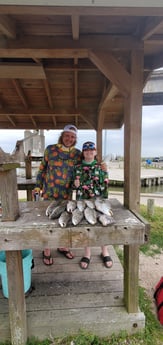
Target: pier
[149,176]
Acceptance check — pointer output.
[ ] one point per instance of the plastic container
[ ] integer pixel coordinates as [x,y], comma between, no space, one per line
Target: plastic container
[27,265]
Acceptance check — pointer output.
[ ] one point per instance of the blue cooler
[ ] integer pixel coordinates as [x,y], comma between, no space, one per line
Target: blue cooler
[27,265]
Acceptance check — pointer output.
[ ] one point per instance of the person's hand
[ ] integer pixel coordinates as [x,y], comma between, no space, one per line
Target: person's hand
[36,193]
[104,166]
[36,190]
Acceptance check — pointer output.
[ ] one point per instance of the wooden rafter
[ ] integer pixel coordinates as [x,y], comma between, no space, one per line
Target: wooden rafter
[110,93]
[112,69]
[11,120]
[151,27]
[75,26]
[20,92]
[7,27]
[21,71]
[48,93]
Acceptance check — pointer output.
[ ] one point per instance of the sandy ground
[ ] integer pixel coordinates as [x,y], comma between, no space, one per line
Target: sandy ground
[150,271]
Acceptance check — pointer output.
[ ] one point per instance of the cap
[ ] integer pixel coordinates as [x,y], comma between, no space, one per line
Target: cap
[88,146]
[70,128]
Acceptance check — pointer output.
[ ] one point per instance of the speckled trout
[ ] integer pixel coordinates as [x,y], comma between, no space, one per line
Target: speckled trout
[71,205]
[64,219]
[77,216]
[103,206]
[58,210]
[90,215]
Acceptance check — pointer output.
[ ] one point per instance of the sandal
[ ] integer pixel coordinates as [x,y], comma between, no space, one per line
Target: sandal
[86,260]
[106,259]
[67,253]
[47,257]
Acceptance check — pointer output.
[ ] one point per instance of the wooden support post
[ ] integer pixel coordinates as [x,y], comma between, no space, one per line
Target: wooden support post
[131,274]
[28,172]
[8,191]
[150,207]
[17,306]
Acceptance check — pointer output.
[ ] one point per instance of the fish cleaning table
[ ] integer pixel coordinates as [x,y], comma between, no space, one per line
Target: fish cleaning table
[34,230]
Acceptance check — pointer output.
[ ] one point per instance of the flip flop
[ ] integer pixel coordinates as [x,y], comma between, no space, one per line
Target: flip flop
[47,257]
[106,259]
[86,260]
[65,253]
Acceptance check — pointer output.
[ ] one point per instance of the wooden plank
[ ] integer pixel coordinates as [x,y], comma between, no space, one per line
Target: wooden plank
[9,195]
[23,71]
[112,69]
[17,305]
[99,321]
[131,269]
[132,135]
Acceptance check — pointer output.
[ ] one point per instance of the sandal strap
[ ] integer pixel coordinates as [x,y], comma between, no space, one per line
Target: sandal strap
[85,259]
[106,258]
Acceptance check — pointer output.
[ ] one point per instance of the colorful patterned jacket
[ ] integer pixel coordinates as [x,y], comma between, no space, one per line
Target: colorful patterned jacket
[93,180]
[56,171]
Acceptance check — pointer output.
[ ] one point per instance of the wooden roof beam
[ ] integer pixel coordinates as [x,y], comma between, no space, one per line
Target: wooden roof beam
[21,71]
[110,93]
[113,70]
[48,93]
[20,92]
[82,10]
[151,27]
[88,121]
[39,111]
[34,122]
[11,121]
[75,26]
[29,45]
[7,27]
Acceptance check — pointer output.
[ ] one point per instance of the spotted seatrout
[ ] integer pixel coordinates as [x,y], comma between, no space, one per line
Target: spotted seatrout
[58,210]
[50,208]
[71,205]
[103,206]
[77,216]
[64,219]
[90,215]
[90,203]
[106,220]
[81,205]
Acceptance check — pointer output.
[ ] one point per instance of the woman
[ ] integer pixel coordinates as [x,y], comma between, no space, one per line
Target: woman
[54,177]
[91,181]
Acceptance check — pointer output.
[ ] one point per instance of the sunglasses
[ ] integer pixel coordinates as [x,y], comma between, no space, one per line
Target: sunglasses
[89,146]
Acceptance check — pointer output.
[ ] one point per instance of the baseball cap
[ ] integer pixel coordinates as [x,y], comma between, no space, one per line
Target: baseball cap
[88,146]
[70,128]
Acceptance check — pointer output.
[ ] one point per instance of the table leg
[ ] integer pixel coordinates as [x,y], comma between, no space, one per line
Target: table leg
[131,276]
[17,305]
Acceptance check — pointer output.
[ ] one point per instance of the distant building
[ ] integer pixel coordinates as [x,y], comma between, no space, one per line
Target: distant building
[34,141]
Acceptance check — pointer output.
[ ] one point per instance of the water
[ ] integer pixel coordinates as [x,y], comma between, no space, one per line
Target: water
[150,190]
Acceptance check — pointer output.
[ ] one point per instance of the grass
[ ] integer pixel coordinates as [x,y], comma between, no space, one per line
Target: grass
[155,243]
[153,332]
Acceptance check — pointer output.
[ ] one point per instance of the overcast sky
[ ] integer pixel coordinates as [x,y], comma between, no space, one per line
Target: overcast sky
[152,136]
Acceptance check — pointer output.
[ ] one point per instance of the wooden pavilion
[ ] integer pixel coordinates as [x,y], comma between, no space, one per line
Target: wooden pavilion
[61,63]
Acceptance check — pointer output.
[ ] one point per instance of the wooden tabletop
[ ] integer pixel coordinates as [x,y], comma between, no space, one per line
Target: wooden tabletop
[33,229]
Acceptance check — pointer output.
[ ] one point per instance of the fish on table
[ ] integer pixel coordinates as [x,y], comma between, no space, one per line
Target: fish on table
[71,205]
[103,206]
[50,208]
[77,216]
[64,219]
[81,205]
[90,215]
[57,210]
